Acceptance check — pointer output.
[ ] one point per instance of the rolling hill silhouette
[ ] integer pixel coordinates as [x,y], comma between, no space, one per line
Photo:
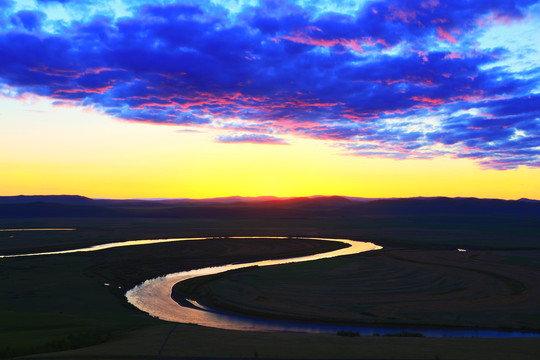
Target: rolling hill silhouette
[324,206]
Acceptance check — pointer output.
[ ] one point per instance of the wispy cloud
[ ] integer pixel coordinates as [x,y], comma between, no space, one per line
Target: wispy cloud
[251,139]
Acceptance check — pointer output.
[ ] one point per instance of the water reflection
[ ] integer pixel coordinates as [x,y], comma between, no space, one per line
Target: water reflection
[105,246]
[154,297]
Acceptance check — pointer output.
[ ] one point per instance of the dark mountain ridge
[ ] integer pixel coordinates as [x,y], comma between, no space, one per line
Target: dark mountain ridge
[320,206]
[60,199]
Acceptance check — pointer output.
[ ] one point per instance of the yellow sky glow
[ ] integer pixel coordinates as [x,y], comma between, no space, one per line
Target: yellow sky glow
[48,149]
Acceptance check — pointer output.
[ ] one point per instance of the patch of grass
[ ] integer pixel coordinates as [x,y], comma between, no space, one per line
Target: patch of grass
[50,340]
[348,333]
[58,303]
[405,334]
[53,303]
[421,287]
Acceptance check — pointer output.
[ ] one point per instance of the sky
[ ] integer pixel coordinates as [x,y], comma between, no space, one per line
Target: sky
[198,99]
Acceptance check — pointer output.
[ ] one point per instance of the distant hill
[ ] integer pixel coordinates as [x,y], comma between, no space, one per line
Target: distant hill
[59,199]
[309,202]
[454,206]
[264,207]
[52,209]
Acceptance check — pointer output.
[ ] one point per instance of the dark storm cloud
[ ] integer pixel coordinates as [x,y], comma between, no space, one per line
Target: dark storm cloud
[365,79]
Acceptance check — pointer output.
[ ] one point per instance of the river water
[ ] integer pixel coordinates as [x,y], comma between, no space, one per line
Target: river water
[104,247]
[154,296]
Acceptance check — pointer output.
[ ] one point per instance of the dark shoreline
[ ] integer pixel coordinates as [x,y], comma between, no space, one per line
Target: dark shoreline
[195,289]
[179,295]
[69,313]
[120,271]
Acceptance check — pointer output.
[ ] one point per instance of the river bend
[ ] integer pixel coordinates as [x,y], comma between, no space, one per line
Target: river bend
[154,296]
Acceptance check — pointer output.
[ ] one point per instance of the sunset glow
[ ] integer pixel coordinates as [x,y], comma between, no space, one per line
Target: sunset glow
[206,99]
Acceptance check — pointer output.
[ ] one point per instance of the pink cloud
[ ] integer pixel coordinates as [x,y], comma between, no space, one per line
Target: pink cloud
[443,35]
[101,90]
[305,39]
[425,99]
[453,55]
[356,44]
[430,4]
[400,14]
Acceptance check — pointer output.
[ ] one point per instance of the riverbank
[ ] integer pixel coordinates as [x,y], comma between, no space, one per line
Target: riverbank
[60,302]
[181,341]
[46,304]
[154,295]
[413,288]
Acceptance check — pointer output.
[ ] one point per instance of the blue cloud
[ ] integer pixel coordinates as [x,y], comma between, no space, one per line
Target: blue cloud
[369,79]
[29,20]
[53,1]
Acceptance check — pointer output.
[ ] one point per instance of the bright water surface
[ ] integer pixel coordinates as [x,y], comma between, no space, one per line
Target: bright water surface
[154,297]
[104,247]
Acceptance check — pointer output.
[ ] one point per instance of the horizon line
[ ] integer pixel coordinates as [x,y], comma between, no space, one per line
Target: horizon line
[273,197]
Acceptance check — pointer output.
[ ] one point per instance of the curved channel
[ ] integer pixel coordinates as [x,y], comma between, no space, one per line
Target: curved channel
[105,246]
[154,296]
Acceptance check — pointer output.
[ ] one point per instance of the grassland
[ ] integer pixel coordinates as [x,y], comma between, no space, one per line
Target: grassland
[175,342]
[57,307]
[60,302]
[447,288]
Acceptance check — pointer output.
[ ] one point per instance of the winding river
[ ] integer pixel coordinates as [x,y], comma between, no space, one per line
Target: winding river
[154,296]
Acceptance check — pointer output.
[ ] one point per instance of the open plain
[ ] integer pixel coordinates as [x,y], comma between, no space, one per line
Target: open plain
[73,306]
[445,288]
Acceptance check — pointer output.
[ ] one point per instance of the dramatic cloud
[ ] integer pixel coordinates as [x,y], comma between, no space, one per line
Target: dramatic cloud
[399,79]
